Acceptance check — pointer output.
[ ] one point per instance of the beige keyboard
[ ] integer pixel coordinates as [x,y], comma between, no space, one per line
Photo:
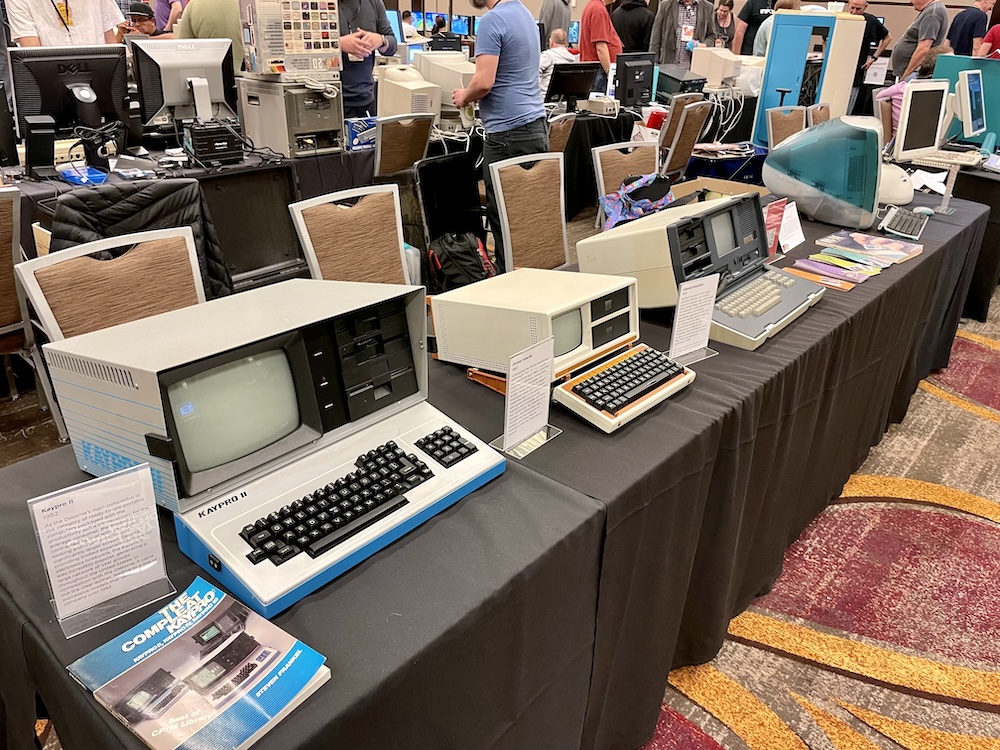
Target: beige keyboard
[947,158]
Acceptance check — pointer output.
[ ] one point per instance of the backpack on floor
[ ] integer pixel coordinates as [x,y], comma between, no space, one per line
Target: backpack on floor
[454,260]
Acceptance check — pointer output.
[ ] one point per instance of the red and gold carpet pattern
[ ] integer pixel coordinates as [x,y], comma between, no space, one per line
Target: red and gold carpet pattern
[883,631]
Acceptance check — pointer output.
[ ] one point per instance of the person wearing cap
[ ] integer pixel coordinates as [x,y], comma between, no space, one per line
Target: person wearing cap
[142,20]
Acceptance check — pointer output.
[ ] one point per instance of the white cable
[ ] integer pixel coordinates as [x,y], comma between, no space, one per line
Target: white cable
[327,89]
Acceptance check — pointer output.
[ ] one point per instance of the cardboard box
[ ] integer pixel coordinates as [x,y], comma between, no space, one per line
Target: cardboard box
[721,187]
[359,133]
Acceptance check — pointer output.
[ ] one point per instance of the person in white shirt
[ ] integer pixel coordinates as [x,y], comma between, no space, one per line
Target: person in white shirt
[50,23]
[409,30]
[556,53]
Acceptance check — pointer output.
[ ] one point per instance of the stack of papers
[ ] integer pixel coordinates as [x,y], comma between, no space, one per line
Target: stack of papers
[850,258]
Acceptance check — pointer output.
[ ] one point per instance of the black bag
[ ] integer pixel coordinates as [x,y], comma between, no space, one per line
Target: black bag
[455,260]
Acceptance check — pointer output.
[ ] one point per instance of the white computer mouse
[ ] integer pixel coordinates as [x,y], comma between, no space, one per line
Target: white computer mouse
[926,210]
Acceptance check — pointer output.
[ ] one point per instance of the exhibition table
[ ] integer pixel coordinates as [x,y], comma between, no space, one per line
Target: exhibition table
[476,630]
[705,492]
[983,186]
[700,498]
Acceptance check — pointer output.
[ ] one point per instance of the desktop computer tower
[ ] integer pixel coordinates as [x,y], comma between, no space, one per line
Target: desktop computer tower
[290,118]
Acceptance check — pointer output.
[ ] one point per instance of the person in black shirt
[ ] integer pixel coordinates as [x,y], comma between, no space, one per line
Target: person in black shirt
[633,20]
[751,16]
[875,40]
[969,27]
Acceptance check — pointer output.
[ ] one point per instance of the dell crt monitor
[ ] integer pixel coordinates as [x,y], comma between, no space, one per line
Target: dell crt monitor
[634,78]
[571,81]
[832,171]
[183,79]
[574,32]
[460,25]
[74,85]
[922,120]
[970,103]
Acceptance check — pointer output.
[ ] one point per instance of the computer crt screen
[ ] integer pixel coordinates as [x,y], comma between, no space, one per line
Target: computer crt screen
[232,410]
[723,232]
[567,332]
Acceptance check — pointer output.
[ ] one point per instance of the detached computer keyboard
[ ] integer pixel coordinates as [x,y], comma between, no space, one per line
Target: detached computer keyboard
[619,390]
[903,222]
[946,159]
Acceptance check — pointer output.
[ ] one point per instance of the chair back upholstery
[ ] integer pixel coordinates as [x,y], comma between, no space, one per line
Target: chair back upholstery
[11,320]
[817,113]
[560,128]
[614,162]
[689,127]
[74,294]
[401,141]
[884,112]
[532,210]
[677,105]
[360,242]
[783,122]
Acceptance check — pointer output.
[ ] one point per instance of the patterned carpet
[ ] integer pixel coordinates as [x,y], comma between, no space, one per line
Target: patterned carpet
[883,631]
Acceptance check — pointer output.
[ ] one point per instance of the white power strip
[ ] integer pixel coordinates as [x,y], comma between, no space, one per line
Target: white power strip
[64,151]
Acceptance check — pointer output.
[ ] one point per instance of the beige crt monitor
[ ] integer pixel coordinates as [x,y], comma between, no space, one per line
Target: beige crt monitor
[483,324]
[403,91]
[641,249]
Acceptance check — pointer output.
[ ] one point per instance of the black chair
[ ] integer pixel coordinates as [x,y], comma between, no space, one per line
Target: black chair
[448,192]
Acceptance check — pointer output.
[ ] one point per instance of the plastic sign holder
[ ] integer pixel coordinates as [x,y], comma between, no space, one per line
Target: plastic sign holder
[101,548]
[528,398]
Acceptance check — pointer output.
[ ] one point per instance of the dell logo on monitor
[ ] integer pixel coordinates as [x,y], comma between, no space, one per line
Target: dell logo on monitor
[72,68]
[187,48]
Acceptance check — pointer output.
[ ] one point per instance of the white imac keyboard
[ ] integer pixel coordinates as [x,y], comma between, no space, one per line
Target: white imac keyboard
[620,389]
[283,535]
[945,159]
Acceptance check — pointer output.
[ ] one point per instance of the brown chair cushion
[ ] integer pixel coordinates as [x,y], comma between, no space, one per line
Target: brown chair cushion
[356,243]
[785,124]
[559,133]
[87,295]
[616,166]
[693,122]
[10,310]
[532,198]
[404,143]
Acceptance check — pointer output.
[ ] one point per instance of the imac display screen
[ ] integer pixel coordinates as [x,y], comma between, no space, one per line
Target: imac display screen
[567,332]
[232,410]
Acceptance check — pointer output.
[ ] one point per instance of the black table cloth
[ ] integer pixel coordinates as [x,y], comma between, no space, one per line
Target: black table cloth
[474,631]
[589,131]
[705,492]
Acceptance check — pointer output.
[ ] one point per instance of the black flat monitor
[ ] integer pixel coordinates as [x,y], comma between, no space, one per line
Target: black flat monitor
[76,86]
[445,42]
[249,209]
[181,79]
[574,32]
[543,36]
[634,78]
[571,81]
[460,25]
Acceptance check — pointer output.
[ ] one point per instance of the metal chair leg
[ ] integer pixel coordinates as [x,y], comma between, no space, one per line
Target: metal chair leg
[10,378]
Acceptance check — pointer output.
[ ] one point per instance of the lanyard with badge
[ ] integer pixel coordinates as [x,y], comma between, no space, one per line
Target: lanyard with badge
[65,15]
[687,28]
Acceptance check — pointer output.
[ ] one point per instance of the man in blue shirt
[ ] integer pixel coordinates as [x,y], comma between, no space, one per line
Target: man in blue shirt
[506,86]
